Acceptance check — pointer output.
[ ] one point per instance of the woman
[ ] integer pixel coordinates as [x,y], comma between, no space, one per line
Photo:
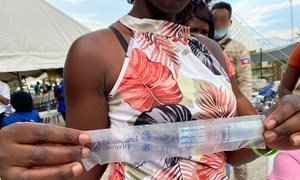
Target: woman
[120,91]
[159,55]
[198,17]
[22,103]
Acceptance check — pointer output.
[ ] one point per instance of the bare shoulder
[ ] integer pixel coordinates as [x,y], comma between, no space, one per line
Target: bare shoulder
[97,55]
[91,47]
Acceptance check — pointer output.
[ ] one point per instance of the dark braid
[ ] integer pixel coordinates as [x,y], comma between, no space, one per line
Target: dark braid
[198,9]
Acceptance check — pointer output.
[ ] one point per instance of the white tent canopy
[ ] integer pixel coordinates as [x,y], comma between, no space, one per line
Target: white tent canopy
[239,33]
[34,36]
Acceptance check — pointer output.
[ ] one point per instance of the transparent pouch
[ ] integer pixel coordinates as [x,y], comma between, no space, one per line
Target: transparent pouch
[179,139]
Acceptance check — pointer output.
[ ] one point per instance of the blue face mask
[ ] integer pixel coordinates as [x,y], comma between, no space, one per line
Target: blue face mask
[221,33]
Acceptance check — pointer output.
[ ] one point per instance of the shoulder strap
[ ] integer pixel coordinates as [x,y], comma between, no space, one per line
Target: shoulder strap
[120,38]
[224,44]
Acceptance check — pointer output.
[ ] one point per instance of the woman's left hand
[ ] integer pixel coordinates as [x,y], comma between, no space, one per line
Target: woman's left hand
[283,124]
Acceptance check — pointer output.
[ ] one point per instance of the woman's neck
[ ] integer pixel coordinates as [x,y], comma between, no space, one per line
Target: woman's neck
[144,9]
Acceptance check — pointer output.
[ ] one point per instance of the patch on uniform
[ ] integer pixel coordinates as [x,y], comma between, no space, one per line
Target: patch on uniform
[245,61]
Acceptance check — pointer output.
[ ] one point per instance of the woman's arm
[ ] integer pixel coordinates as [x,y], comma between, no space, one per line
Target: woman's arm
[91,70]
[3,100]
[289,81]
[86,101]
[5,94]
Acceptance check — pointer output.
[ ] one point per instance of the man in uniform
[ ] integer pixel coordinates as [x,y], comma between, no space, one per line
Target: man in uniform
[238,54]
[239,57]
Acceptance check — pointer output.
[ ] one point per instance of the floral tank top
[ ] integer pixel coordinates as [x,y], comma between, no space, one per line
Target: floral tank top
[168,76]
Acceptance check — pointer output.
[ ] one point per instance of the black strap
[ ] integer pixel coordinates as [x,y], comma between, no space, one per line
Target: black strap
[120,38]
[224,44]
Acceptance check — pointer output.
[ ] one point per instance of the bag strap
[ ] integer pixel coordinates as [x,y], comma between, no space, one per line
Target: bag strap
[224,44]
[120,37]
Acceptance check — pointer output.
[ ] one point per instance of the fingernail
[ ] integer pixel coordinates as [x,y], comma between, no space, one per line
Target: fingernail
[77,169]
[85,152]
[271,124]
[296,140]
[270,136]
[84,139]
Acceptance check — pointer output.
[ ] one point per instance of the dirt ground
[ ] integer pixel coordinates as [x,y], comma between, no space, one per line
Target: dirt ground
[257,170]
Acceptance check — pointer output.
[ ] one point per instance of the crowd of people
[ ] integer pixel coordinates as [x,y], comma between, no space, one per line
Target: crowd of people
[162,54]
[19,106]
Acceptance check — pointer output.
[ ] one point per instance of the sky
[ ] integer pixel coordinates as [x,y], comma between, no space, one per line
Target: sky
[270,18]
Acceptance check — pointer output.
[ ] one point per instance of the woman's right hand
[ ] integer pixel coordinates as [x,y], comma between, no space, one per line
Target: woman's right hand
[39,151]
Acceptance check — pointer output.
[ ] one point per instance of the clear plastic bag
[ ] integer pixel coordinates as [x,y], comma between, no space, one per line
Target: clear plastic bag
[179,139]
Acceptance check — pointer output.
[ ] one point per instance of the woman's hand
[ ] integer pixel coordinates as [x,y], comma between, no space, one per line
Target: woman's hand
[38,151]
[283,124]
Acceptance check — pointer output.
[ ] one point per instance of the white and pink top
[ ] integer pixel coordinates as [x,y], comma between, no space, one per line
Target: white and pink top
[169,76]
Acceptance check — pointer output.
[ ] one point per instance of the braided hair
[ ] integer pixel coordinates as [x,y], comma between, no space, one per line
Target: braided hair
[200,10]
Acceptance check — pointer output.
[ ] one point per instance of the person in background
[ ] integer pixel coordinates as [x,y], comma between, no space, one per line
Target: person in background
[291,75]
[237,52]
[199,18]
[55,87]
[287,163]
[22,103]
[239,57]
[60,95]
[46,88]
[4,99]
[37,88]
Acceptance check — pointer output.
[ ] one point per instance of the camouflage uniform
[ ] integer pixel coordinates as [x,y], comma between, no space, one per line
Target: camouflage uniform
[241,64]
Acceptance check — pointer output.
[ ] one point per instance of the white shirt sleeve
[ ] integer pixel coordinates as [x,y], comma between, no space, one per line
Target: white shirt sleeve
[5,91]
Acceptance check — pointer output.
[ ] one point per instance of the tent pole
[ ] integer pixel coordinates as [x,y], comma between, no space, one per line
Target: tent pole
[261,64]
[20,80]
[49,81]
[28,88]
[292,20]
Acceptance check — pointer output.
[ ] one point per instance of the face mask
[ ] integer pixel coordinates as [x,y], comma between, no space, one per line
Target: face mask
[221,33]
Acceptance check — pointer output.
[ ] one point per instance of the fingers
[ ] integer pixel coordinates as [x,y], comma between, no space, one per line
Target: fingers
[33,156]
[290,126]
[288,106]
[295,139]
[41,133]
[66,171]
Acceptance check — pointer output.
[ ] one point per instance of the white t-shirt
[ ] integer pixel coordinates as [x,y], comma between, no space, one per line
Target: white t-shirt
[5,92]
